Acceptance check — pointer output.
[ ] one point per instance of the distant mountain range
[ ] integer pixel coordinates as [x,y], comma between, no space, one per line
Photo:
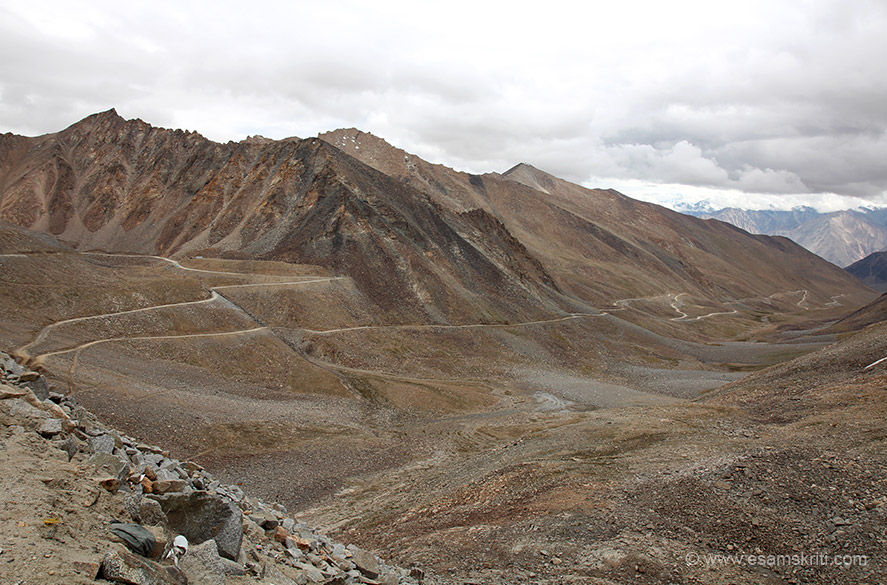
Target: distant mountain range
[841,237]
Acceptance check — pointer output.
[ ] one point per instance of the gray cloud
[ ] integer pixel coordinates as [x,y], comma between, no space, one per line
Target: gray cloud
[710,100]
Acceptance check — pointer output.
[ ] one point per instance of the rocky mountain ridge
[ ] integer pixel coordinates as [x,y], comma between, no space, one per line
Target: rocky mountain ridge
[116,185]
[599,244]
[423,242]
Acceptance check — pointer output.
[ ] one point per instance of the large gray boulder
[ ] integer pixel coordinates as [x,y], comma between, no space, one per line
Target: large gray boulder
[120,566]
[202,516]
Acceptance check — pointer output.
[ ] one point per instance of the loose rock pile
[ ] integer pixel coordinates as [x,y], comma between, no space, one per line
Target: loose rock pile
[232,538]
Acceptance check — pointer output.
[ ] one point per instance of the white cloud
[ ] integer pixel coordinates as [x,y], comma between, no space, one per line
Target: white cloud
[769,98]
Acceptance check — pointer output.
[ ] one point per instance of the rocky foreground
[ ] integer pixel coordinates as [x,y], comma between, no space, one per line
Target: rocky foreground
[65,478]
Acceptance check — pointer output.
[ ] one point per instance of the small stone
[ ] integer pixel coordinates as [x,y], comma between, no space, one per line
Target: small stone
[112,484]
[108,465]
[90,569]
[281,534]
[192,468]
[298,542]
[264,519]
[314,574]
[70,446]
[102,444]
[163,486]
[50,428]
[366,562]
[150,512]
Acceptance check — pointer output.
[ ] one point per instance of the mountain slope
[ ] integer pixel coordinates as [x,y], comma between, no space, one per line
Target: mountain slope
[841,237]
[125,186]
[600,245]
[422,242]
[872,270]
[874,312]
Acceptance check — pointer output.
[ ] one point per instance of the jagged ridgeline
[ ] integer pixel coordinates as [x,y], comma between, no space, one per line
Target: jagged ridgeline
[421,241]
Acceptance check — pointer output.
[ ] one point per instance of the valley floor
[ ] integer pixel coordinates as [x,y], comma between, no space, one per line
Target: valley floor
[597,447]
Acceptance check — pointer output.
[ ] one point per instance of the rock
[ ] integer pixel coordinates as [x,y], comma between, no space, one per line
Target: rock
[121,566]
[102,444]
[294,552]
[272,574]
[162,486]
[314,574]
[50,428]
[112,484]
[108,465]
[281,534]
[264,519]
[201,516]
[192,467]
[90,569]
[10,365]
[168,473]
[8,392]
[151,513]
[203,564]
[299,543]
[70,446]
[365,562]
[131,504]
[37,385]
[28,376]
[231,491]
[21,407]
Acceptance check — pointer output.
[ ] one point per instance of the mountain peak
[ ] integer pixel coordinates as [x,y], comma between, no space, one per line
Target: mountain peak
[527,174]
[106,116]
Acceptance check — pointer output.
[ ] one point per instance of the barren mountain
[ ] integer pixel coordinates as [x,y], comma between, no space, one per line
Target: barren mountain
[116,185]
[841,237]
[599,245]
[506,377]
[421,241]
[872,270]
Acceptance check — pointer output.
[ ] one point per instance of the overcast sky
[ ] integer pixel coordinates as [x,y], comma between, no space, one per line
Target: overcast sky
[744,103]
